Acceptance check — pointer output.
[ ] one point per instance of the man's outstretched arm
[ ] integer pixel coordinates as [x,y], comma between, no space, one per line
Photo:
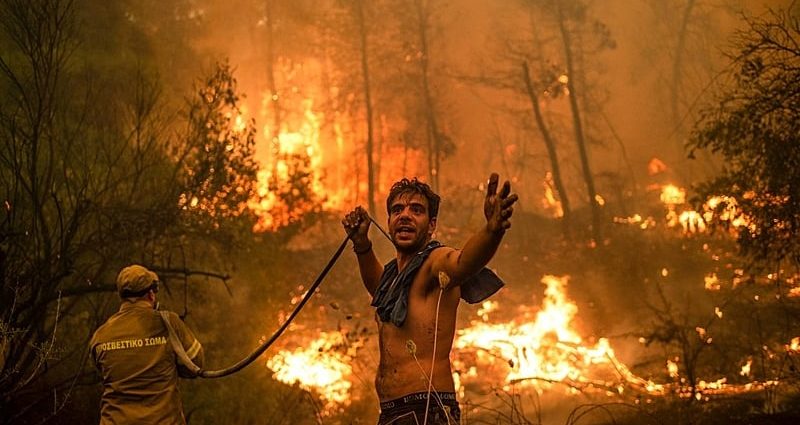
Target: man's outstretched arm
[356,223]
[481,247]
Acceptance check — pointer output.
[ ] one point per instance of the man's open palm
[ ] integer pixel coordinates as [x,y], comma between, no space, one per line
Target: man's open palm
[498,207]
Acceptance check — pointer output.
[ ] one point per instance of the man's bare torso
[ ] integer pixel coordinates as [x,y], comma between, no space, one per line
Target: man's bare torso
[406,366]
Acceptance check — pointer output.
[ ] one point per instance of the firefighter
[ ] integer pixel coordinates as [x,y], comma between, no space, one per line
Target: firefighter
[136,358]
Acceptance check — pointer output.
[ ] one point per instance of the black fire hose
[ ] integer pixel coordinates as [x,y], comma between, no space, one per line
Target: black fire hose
[196,371]
[184,358]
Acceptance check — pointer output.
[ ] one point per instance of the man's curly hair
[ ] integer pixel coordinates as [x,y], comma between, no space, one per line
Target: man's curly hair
[406,186]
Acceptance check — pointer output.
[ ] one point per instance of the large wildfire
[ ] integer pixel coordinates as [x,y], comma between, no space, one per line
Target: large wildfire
[541,348]
[308,158]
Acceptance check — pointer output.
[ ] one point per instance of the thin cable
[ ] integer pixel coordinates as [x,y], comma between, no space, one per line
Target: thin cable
[380,228]
[433,357]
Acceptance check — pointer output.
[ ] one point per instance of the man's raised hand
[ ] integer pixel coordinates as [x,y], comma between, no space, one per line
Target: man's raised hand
[498,207]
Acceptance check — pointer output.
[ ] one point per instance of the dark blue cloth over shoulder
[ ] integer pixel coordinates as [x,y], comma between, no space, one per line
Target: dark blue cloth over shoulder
[391,297]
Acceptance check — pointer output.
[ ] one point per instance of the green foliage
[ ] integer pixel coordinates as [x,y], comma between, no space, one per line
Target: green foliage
[755,126]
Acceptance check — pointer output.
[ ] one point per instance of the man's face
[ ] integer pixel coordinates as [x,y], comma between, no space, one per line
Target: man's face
[410,224]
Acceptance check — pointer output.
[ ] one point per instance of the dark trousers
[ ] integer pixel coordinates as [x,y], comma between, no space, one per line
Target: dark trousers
[410,410]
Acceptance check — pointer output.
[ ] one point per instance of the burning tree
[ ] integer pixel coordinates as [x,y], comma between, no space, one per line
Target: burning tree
[419,28]
[218,150]
[354,28]
[755,126]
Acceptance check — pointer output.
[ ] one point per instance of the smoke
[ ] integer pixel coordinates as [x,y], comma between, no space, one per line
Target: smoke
[644,69]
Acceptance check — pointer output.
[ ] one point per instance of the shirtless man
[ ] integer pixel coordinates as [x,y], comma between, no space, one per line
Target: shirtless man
[419,290]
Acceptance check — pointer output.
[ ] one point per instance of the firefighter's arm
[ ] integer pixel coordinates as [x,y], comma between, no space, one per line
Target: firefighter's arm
[193,348]
[93,354]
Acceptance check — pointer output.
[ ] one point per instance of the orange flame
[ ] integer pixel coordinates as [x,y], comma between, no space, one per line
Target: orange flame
[673,195]
[712,282]
[319,367]
[538,350]
[547,350]
[794,345]
[720,208]
[549,201]
[295,146]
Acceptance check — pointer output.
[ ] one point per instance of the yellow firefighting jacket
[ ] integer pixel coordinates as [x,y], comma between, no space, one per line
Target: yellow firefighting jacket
[139,368]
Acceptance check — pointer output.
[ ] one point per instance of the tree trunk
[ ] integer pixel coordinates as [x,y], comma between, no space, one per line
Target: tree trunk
[551,150]
[678,64]
[434,137]
[577,125]
[274,99]
[362,30]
